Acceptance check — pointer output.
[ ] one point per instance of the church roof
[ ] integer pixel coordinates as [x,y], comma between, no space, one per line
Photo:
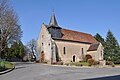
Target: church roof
[70,34]
[93,47]
[77,36]
[53,21]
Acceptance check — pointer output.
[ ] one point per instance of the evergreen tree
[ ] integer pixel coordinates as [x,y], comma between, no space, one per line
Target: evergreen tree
[99,38]
[21,50]
[16,51]
[112,50]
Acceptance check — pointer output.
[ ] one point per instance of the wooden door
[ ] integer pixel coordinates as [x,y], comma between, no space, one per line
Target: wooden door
[42,56]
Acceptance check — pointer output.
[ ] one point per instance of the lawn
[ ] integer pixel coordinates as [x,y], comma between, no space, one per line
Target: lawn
[78,63]
[4,65]
[117,64]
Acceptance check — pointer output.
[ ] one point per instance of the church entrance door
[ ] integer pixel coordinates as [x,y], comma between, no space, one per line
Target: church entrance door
[42,56]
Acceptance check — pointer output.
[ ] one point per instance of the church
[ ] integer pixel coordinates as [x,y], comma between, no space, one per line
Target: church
[56,44]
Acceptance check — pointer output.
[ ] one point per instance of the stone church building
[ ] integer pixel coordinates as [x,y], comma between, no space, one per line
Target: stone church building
[56,43]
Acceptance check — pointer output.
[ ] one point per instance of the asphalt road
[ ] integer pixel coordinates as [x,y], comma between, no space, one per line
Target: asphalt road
[30,71]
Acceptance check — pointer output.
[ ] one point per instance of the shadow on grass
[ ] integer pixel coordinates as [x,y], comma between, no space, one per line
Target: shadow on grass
[116,77]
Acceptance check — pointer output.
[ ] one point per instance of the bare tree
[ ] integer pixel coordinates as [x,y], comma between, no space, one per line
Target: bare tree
[28,54]
[32,46]
[10,31]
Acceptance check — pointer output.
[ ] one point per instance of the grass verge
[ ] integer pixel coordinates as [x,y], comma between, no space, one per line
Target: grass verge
[78,63]
[4,65]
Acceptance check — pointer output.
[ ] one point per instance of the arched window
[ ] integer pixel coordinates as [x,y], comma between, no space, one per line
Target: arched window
[82,51]
[74,58]
[101,54]
[64,51]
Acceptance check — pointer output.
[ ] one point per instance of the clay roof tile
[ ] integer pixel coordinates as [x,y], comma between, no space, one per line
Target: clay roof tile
[77,36]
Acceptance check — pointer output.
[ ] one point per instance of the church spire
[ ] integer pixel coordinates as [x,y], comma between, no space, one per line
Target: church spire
[53,21]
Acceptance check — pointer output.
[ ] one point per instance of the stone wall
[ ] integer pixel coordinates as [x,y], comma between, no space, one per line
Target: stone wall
[64,50]
[98,54]
[44,44]
[71,49]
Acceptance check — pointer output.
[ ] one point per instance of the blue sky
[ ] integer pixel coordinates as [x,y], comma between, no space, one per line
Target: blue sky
[90,16]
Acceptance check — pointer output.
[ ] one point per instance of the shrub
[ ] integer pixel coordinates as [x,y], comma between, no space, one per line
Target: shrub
[88,56]
[77,64]
[37,61]
[67,64]
[96,62]
[45,62]
[110,63]
[54,63]
[81,63]
[58,63]
[90,62]
[2,66]
[93,62]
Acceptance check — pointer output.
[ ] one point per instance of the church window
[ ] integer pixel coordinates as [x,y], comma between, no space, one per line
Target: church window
[64,51]
[42,36]
[49,44]
[101,53]
[82,51]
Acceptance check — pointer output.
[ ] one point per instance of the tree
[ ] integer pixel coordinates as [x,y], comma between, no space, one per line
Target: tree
[32,46]
[10,30]
[16,51]
[28,54]
[99,38]
[112,49]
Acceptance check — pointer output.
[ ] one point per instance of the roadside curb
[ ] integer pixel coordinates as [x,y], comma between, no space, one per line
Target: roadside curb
[67,66]
[6,71]
[82,66]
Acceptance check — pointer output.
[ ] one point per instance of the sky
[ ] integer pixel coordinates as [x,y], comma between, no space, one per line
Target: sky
[89,16]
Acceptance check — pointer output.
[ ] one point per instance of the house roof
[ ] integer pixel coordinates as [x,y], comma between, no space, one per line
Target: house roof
[77,36]
[93,47]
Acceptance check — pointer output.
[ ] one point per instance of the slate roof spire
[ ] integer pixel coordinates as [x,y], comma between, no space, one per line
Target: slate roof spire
[53,21]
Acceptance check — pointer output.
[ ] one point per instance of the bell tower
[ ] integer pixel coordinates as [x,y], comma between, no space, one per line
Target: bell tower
[53,27]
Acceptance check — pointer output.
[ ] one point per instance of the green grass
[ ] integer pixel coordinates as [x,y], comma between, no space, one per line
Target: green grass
[5,65]
[78,63]
[117,64]
[8,65]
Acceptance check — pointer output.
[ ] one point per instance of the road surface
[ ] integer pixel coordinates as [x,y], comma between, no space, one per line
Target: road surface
[30,71]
